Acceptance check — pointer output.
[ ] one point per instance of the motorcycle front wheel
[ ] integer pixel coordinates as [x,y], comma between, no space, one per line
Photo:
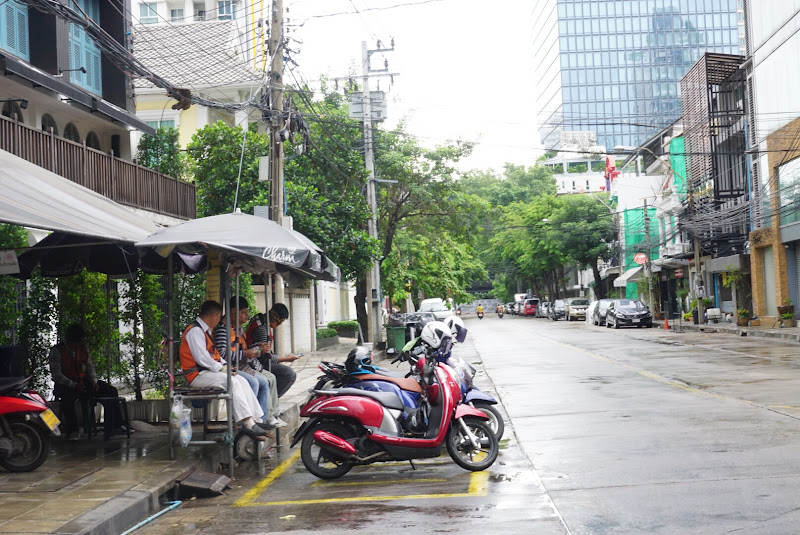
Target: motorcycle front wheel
[31,446]
[463,453]
[495,420]
[321,462]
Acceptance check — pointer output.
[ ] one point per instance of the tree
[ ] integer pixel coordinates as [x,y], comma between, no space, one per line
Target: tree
[162,153]
[11,237]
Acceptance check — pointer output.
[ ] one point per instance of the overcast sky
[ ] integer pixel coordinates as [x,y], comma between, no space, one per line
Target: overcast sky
[465,66]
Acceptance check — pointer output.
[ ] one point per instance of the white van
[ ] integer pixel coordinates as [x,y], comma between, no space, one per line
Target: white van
[437,306]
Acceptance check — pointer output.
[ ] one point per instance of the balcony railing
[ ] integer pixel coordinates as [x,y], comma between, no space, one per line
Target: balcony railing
[119,180]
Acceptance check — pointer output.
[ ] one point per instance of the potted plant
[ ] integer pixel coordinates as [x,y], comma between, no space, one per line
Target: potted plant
[786,308]
[742,317]
[788,319]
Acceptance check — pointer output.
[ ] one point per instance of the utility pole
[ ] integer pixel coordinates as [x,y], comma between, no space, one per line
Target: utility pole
[276,125]
[374,280]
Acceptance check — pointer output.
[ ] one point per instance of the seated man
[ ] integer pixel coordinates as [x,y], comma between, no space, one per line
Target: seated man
[262,383]
[75,377]
[258,333]
[205,367]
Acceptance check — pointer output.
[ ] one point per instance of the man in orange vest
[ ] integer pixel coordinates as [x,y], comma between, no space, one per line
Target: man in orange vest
[205,367]
[75,377]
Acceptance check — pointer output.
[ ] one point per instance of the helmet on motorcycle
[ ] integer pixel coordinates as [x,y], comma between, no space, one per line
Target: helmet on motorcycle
[359,361]
[457,328]
[437,335]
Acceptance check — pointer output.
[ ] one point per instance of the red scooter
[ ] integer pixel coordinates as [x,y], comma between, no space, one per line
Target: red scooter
[348,427]
[26,425]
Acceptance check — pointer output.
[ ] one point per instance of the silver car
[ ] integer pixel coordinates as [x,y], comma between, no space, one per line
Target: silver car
[575,309]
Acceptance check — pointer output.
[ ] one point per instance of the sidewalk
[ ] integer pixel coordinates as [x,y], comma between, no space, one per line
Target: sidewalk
[789,333]
[95,487]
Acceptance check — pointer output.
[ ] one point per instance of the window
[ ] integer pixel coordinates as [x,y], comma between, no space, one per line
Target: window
[71,133]
[199,12]
[83,52]
[93,141]
[49,124]
[226,10]
[148,13]
[161,124]
[14,29]
[12,111]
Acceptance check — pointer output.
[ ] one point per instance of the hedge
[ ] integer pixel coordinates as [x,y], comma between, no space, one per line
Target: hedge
[326,333]
[347,325]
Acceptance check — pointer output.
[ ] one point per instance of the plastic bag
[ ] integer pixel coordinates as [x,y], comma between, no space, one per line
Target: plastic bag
[180,418]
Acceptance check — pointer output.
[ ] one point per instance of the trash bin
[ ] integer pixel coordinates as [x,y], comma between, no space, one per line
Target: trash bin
[395,337]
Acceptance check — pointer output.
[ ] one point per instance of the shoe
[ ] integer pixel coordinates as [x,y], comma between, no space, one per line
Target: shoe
[256,433]
[74,436]
[277,422]
[266,426]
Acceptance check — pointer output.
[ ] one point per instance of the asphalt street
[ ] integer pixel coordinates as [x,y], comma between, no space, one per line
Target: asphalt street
[608,431]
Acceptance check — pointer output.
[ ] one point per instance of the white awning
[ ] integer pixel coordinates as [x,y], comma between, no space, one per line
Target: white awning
[32,196]
[629,276]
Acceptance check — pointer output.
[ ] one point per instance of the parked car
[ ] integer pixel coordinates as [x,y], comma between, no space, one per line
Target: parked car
[628,313]
[437,306]
[531,306]
[599,316]
[575,308]
[544,309]
[557,309]
[519,308]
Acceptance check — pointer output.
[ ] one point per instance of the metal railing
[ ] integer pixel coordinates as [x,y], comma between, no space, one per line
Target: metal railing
[120,180]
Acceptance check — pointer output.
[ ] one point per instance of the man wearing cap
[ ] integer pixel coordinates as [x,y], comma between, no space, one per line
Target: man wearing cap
[204,367]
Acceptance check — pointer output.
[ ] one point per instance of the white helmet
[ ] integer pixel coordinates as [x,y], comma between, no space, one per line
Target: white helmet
[437,335]
[457,328]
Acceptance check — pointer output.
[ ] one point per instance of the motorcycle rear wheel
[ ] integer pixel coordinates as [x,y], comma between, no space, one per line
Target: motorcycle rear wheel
[321,462]
[461,450]
[495,421]
[31,446]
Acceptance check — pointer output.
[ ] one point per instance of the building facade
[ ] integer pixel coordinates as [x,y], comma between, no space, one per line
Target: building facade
[614,66]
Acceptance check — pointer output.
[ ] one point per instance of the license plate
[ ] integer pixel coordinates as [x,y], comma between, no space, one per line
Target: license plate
[50,419]
[636,320]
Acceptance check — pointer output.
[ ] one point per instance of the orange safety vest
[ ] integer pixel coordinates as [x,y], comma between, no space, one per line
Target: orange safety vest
[242,344]
[185,354]
[74,367]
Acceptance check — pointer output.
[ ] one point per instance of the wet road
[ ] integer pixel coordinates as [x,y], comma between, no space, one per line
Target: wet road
[630,431]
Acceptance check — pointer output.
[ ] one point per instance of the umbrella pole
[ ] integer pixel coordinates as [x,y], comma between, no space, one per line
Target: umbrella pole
[223,275]
[170,346]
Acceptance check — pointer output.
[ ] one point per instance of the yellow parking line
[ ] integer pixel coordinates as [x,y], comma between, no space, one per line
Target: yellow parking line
[388,481]
[478,486]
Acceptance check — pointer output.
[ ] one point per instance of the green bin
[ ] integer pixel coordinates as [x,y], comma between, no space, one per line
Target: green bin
[395,337]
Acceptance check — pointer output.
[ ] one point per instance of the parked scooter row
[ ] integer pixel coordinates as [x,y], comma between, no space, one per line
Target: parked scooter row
[26,425]
[391,418]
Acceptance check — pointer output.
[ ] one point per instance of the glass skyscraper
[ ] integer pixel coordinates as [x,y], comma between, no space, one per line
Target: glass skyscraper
[614,66]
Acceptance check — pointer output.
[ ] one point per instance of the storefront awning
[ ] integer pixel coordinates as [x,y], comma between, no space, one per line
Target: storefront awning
[32,196]
[629,276]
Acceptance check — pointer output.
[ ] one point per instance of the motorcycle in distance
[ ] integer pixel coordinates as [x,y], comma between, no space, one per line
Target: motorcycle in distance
[480,313]
[26,425]
[499,311]
[349,427]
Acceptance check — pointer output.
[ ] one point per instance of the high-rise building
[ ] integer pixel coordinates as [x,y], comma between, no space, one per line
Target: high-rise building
[614,66]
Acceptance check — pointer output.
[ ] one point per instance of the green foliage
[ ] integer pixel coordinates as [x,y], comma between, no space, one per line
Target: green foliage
[598,167]
[82,299]
[215,152]
[518,184]
[189,292]
[787,316]
[36,327]
[163,153]
[576,167]
[141,339]
[742,313]
[326,333]
[343,325]
[11,237]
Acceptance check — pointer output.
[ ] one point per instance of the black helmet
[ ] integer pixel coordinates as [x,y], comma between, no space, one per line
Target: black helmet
[359,361]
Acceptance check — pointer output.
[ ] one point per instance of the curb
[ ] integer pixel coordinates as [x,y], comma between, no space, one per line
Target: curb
[783,334]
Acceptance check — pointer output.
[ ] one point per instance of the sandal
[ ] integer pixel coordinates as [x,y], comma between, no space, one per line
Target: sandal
[256,433]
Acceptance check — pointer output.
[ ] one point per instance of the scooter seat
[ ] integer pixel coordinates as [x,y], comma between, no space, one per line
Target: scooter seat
[7,384]
[387,399]
[406,383]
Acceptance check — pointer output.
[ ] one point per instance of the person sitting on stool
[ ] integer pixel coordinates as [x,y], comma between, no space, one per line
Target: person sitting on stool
[75,377]
[258,333]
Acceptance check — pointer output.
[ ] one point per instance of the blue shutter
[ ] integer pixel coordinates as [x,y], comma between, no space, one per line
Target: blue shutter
[83,52]
[14,29]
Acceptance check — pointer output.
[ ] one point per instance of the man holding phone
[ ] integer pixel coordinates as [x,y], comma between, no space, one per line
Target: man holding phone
[258,333]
